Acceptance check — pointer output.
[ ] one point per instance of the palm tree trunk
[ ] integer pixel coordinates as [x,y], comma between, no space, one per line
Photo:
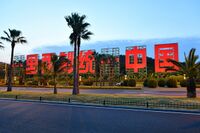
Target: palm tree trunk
[55,89]
[9,88]
[74,71]
[77,69]
[191,88]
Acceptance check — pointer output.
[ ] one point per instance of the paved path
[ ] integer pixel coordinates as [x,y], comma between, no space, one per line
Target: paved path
[30,117]
[144,91]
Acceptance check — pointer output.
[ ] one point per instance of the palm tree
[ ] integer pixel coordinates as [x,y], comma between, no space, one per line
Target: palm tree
[191,68]
[79,31]
[14,37]
[57,67]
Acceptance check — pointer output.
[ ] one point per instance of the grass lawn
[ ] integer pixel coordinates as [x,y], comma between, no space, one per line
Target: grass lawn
[110,99]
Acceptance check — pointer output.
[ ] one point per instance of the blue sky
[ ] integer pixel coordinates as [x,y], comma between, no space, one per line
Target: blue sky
[42,21]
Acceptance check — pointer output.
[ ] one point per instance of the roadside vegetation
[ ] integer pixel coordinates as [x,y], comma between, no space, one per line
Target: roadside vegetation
[108,99]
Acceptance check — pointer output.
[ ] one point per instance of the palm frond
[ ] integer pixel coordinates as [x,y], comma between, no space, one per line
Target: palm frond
[8,36]
[6,39]
[86,36]
[176,63]
[14,33]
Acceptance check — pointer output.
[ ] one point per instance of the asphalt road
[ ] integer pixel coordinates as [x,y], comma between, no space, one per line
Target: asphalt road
[144,91]
[33,117]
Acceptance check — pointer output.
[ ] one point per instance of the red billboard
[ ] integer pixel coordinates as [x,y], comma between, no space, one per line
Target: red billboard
[164,52]
[136,58]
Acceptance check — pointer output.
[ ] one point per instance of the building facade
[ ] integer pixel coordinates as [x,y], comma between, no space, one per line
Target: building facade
[164,52]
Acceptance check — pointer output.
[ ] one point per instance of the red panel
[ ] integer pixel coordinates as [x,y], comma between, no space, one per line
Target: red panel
[46,58]
[69,65]
[136,51]
[32,64]
[164,52]
[85,61]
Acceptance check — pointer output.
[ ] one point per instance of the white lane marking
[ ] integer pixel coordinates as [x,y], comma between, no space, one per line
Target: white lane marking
[110,108]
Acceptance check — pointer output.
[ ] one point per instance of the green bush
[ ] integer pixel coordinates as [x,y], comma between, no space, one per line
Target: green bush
[145,83]
[171,83]
[88,82]
[63,82]
[29,83]
[125,83]
[177,78]
[34,82]
[70,82]
[183,83]
[131,82]
[51,82]
[161,82]
[152,83]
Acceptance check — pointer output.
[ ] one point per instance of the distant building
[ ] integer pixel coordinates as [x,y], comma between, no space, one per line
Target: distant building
[18,61]
[136,59]
[110,65]
[32,64]
[164,52]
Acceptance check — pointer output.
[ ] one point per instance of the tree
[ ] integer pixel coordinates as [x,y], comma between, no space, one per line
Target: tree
[191,69]
[14,37]
[79,31]
[57,67]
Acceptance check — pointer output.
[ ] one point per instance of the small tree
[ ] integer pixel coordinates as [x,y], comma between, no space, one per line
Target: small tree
[57,67]
[191,68]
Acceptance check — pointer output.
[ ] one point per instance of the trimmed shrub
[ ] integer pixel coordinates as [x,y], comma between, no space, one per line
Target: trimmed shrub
[88,82]
[125,83]
[70,82]
[183,83]
[152,83]
[161,82]
[131,82]
[171,83]
[51,82]
[145,83]
[29,83]
[34,82]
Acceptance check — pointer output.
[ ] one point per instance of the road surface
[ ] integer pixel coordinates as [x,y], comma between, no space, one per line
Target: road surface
[144,91]
[34,117]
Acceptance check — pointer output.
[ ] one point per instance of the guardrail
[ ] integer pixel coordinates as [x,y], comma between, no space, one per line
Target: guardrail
[127,102]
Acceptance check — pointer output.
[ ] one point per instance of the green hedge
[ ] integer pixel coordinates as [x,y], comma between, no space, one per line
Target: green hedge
[131,82]
[88,82]
[171,83]
[152,83]
[145,83]
[183,83]
[161,82]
